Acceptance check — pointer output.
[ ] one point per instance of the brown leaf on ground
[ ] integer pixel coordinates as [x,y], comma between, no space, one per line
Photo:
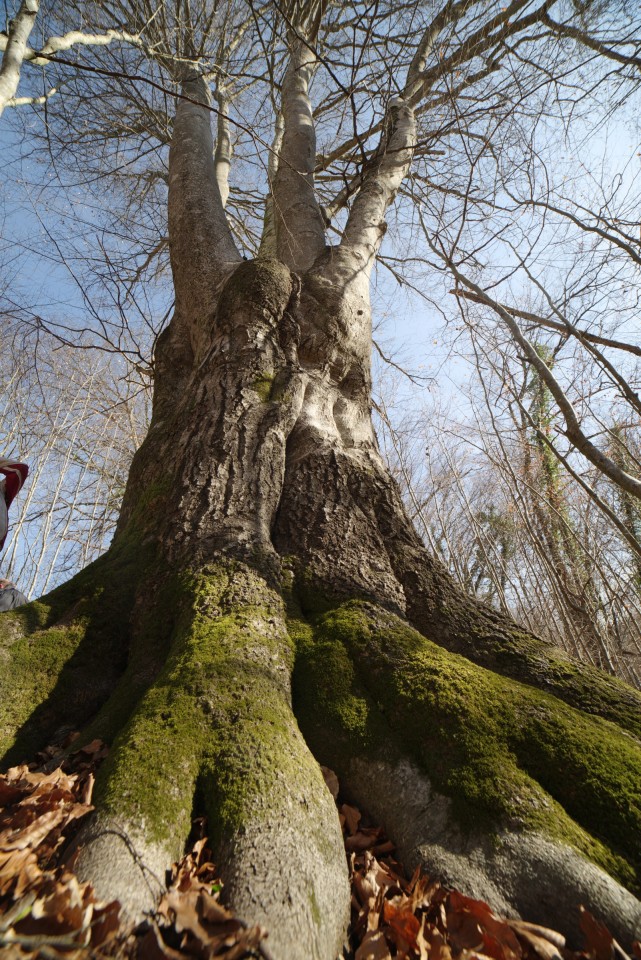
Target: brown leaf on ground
[352,818]
[18,871]
[498,940]
[9,792]
[361,841]
[543,943]
[398,914]
[438,947]
[191,908]
[105,923]
[180,910]
[422,890]
[597,938]
[373,947]
[44,910]
[151,946]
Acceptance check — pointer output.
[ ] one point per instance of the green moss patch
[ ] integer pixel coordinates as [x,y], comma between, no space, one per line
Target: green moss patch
[263,385]
[217,715]
[28,677]
[506,753]
[61,656]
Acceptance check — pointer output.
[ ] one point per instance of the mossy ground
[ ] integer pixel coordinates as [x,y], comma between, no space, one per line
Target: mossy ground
[507,754]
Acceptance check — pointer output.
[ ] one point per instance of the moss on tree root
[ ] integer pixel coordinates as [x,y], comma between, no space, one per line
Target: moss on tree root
[62,655]
[195,691]
[508,755]
[441,611]
[215,732]
[217,715]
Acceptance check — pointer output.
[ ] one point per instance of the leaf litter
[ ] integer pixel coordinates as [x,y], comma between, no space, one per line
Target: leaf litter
[46,912]
[394,918]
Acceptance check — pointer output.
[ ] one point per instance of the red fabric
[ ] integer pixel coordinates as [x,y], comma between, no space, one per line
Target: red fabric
[4,521]
[16,474]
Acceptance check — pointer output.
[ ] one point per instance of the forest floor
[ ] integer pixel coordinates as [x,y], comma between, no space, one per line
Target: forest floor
[46,912]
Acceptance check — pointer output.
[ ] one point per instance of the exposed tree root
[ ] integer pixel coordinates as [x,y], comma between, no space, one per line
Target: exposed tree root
[494,786]
[218,721]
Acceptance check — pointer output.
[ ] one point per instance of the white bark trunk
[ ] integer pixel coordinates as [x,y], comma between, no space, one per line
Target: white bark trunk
[16,45]
[200,241]
[300,231]
[222,158]
[365,227]
[54,45]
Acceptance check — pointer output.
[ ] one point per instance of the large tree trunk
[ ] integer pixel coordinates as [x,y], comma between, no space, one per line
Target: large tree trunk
[265,580]
[261,536]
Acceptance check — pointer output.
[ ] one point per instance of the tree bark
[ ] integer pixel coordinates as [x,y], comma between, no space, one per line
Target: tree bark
[14,52]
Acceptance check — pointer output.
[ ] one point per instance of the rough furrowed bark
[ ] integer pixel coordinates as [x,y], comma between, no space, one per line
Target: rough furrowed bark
[217,448]
[495,787]
[215,732]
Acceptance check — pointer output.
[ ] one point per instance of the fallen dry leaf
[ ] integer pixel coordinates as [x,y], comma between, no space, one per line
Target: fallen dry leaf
[544,943]
[439,948]
[373,947]
[352,818]
[401,919]
[598,939]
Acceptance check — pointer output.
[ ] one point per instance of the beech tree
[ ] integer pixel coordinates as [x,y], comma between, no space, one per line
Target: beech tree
[266,605]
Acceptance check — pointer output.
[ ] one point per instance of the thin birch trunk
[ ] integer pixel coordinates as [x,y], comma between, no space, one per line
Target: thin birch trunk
[20,29]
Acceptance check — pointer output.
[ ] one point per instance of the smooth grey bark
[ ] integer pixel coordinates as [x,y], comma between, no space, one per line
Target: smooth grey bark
[16,51]
[201,245]
[222,156]
[300,232]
